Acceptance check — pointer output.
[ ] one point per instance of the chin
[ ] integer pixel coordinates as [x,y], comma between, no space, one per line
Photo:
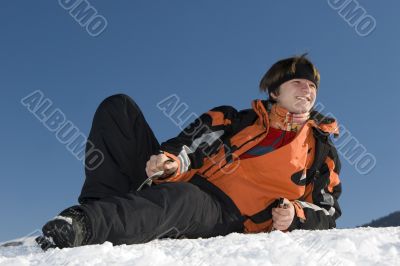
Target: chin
[301,110]
[300,107]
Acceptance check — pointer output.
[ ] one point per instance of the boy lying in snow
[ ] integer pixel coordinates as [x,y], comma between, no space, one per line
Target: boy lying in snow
[223,173]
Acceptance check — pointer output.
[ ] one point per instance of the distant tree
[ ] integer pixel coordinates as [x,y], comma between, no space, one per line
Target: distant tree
[392,219]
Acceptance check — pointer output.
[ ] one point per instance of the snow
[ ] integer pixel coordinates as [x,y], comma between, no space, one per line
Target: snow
[360,246]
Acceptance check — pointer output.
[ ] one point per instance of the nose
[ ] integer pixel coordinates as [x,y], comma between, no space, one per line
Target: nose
[305,86]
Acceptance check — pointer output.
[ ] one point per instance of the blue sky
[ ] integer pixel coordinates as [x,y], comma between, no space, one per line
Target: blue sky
[208,53]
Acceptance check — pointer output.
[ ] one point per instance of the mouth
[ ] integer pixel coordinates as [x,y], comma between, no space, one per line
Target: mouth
[304,98]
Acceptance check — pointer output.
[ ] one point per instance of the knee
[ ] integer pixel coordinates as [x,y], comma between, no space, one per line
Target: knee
[116,99]
[117,102]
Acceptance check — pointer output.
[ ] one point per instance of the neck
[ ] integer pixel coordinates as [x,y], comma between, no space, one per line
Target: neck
[281,118]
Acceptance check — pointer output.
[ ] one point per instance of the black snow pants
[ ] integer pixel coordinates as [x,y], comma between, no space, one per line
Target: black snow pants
[122,215]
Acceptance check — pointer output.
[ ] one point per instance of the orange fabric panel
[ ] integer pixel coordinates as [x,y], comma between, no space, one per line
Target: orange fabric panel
[213,163]
[251,227]
[218,118]
[248,134]
[333,176]
[299,210]
[332,128]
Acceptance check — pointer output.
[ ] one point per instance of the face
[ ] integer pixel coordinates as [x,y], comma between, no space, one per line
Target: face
[297,95]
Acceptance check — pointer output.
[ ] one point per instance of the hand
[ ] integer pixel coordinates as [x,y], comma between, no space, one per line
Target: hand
[161,162]
[283,216]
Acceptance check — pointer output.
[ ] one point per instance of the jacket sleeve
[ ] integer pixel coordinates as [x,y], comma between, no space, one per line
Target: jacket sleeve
[324,209]
[199,140]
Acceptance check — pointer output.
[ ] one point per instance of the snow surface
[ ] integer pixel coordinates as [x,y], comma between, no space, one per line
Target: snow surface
[360,246]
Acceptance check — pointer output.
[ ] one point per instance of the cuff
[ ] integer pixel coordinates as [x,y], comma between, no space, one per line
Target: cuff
[298,218]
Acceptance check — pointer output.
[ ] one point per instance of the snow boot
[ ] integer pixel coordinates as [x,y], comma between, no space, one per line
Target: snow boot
[68,229]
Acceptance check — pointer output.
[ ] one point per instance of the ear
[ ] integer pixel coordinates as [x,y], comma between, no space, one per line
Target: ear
[273,95]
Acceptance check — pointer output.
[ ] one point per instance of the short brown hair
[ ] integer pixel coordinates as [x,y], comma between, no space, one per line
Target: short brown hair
[284,69]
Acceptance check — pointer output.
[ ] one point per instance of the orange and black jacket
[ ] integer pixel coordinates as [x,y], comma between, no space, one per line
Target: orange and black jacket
[306,170]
